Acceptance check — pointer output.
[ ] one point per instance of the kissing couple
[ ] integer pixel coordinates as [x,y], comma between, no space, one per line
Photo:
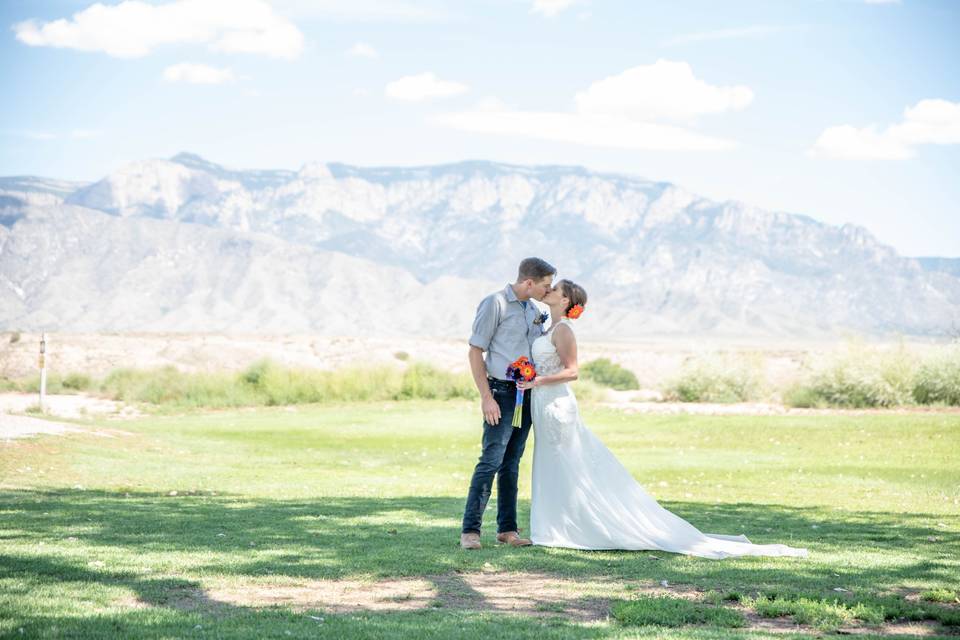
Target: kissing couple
[582,497]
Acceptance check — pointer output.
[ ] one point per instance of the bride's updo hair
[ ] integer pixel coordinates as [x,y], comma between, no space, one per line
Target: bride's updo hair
[574,293]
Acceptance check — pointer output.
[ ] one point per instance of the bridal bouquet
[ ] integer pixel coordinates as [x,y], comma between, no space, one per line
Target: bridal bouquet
[521,369]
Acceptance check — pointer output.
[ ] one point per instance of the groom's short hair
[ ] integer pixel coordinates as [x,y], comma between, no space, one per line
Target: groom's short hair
[534,269]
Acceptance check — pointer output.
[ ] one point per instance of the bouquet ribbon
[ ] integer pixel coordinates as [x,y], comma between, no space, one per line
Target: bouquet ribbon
[520,370]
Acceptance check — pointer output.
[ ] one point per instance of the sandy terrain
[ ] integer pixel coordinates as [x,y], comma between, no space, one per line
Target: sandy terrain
[14,424]
[96,354]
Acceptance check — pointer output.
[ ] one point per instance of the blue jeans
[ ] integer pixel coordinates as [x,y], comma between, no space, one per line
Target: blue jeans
[502,448]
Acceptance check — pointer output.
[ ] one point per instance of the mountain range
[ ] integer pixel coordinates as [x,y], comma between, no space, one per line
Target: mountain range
[183,244]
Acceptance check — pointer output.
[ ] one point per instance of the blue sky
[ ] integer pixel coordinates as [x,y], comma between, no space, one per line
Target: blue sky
[844,110]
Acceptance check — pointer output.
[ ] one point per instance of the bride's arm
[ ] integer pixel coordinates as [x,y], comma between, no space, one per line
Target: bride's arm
[566,344]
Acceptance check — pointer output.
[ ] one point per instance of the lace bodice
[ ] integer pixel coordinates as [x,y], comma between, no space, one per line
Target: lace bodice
[544,353]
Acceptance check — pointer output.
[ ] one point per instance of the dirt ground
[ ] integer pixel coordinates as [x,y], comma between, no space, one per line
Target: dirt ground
[510,593]
[653,361]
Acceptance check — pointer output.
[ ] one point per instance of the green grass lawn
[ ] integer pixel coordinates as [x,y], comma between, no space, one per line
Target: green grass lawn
[202,525]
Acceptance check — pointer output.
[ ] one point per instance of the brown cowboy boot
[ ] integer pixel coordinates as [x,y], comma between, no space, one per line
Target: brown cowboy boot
[513,539]
[470,541]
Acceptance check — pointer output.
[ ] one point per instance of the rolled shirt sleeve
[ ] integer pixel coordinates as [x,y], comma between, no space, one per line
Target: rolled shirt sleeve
[484,324]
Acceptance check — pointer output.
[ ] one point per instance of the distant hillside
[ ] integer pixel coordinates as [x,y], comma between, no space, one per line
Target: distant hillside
[186,244]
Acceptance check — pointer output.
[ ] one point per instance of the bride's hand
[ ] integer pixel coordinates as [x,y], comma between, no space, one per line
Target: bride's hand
[524,385]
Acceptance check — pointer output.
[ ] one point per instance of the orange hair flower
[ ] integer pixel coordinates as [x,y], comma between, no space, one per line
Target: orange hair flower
[575,311]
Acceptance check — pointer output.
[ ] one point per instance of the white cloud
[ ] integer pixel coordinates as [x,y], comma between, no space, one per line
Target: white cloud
[133,28]
[664,89]
[551,8]
[928,122]
[197,74]
[623,111]
[423,87]
[363,50]
[753,31]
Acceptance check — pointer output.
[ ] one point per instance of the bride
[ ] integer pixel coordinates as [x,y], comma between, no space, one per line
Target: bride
[583,498]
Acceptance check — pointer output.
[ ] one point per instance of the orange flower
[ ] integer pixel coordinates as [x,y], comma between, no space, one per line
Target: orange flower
[575,311]
[527,372]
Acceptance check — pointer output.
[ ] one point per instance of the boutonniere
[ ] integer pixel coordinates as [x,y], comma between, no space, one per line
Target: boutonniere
[543,317]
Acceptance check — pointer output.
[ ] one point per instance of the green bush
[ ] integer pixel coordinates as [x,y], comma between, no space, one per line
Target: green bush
[282,386]
[9,384]
[716,378]
[803,397]
[863,377]
[423,381]
[609,374]
[78,382]
[937,379]
[587,391]
[168,386]
[265,383]
[268,383]
[32,384]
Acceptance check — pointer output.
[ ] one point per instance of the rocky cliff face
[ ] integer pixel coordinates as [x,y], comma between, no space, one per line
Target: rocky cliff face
[184,244]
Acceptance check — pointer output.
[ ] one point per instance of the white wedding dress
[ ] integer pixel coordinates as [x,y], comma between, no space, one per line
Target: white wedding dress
[583,498]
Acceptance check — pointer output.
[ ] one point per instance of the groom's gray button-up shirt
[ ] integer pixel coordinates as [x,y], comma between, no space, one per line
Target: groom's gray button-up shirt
[505,330]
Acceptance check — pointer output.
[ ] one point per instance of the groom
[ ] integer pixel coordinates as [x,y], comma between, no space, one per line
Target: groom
[506,325]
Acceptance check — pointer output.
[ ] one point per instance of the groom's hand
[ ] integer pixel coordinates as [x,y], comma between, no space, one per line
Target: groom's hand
[491,410]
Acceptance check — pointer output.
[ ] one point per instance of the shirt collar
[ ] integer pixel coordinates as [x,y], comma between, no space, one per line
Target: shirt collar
[511,296]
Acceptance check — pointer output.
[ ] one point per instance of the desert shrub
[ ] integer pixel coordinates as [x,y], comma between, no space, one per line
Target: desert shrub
[803,397]
[278,385]
[609,374]
[420,381]
[588,391]
[937,379]
[78,382]
[168,386]
[716,378]
[266,383]
[423,381]
[866,378]
[15,337]
[32,384]
[871,377]
[9,384]
[403,356]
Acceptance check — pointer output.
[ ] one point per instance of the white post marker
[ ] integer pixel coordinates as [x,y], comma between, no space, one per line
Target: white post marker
[43,371]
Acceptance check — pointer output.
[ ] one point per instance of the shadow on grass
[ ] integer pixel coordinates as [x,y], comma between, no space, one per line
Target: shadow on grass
[386,537]
[330,538]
